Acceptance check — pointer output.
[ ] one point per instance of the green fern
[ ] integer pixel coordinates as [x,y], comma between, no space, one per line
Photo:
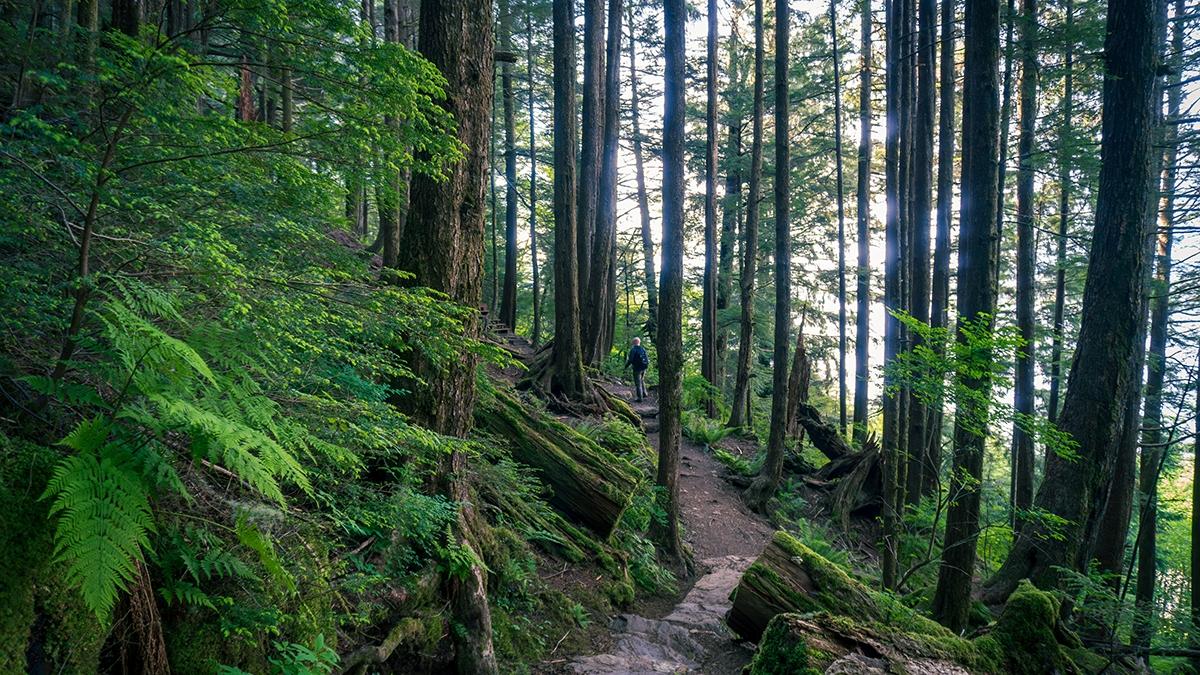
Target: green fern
[104,517]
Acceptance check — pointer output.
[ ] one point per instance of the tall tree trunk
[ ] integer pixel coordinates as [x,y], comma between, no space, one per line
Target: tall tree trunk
[387,192]
[643,199]
[708,311]
[670,309]
[862,333]
[1194,576]
[495,270]
[922,197]
[508,297]
[841,214]
[892,454]
[739,416]
[533,246]
[976,303]
[1116,508]
[731,206]
[1064,214]
[764,486]
[1102,369]
[940,295]
[1023,390]
[568,351]
[730,214]
[442,248]
[1005,126]
[593,137]
[1155,443]
[906,67]
[601,300]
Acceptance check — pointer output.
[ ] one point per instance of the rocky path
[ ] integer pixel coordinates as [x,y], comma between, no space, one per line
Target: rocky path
[725,537]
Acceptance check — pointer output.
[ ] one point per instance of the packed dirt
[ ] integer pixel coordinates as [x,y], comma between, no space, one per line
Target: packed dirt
[724,537]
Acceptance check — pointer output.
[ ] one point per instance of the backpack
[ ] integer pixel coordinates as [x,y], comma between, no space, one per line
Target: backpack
[639,358]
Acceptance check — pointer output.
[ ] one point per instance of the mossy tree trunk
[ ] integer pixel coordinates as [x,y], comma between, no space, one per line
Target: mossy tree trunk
[442,246]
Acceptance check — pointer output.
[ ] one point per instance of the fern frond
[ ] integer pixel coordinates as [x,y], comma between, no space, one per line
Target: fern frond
[138,340]
[104,517]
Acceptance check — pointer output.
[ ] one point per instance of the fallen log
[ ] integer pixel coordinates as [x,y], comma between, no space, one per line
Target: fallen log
[808,615]
[589,485]
[823,643]
[790,577]
[823,435]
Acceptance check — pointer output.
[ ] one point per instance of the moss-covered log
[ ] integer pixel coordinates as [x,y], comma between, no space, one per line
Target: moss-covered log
[803,644]
[789,577]
[809,616]
[589,485]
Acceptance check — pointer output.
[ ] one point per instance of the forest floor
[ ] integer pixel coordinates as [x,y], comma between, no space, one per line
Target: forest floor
[686,632]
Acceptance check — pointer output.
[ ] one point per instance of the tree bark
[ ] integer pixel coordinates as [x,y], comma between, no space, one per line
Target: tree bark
[739,416]
[892,456]
[862,334]
[568,352]
[536,333]
[940,295]
[1194,575]
[601,294]
[1154,440]
[976,303]
[1005,117]
[708,310]
[764,486]
[442,248]
[643,199]
[1101,372]
[508,297]
[841,214]
[922,193]
[593,137]
[1064,214]
[731,206]
[1023,390]
[670,309]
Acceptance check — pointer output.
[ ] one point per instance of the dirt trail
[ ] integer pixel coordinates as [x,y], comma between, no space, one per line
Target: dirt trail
[725,537]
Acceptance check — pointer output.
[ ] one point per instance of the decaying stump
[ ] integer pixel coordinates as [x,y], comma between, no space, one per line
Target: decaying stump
[589,485]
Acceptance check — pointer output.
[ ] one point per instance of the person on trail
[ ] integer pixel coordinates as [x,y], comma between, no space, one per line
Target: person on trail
[639,360]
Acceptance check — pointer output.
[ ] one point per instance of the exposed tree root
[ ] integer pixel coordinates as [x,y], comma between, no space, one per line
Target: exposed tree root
[595,400]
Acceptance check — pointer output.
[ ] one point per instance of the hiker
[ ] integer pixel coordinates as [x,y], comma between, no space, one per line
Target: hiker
[639,360]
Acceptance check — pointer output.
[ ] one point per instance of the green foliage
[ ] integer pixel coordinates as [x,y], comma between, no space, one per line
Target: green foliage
[217,357]
[297,659]
[703,429]
[699,392]
[735,463]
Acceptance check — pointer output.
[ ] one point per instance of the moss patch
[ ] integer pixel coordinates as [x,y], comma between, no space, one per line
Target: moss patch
[1030,636]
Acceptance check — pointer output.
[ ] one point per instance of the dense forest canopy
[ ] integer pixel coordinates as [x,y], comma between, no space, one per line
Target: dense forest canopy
[599,336]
